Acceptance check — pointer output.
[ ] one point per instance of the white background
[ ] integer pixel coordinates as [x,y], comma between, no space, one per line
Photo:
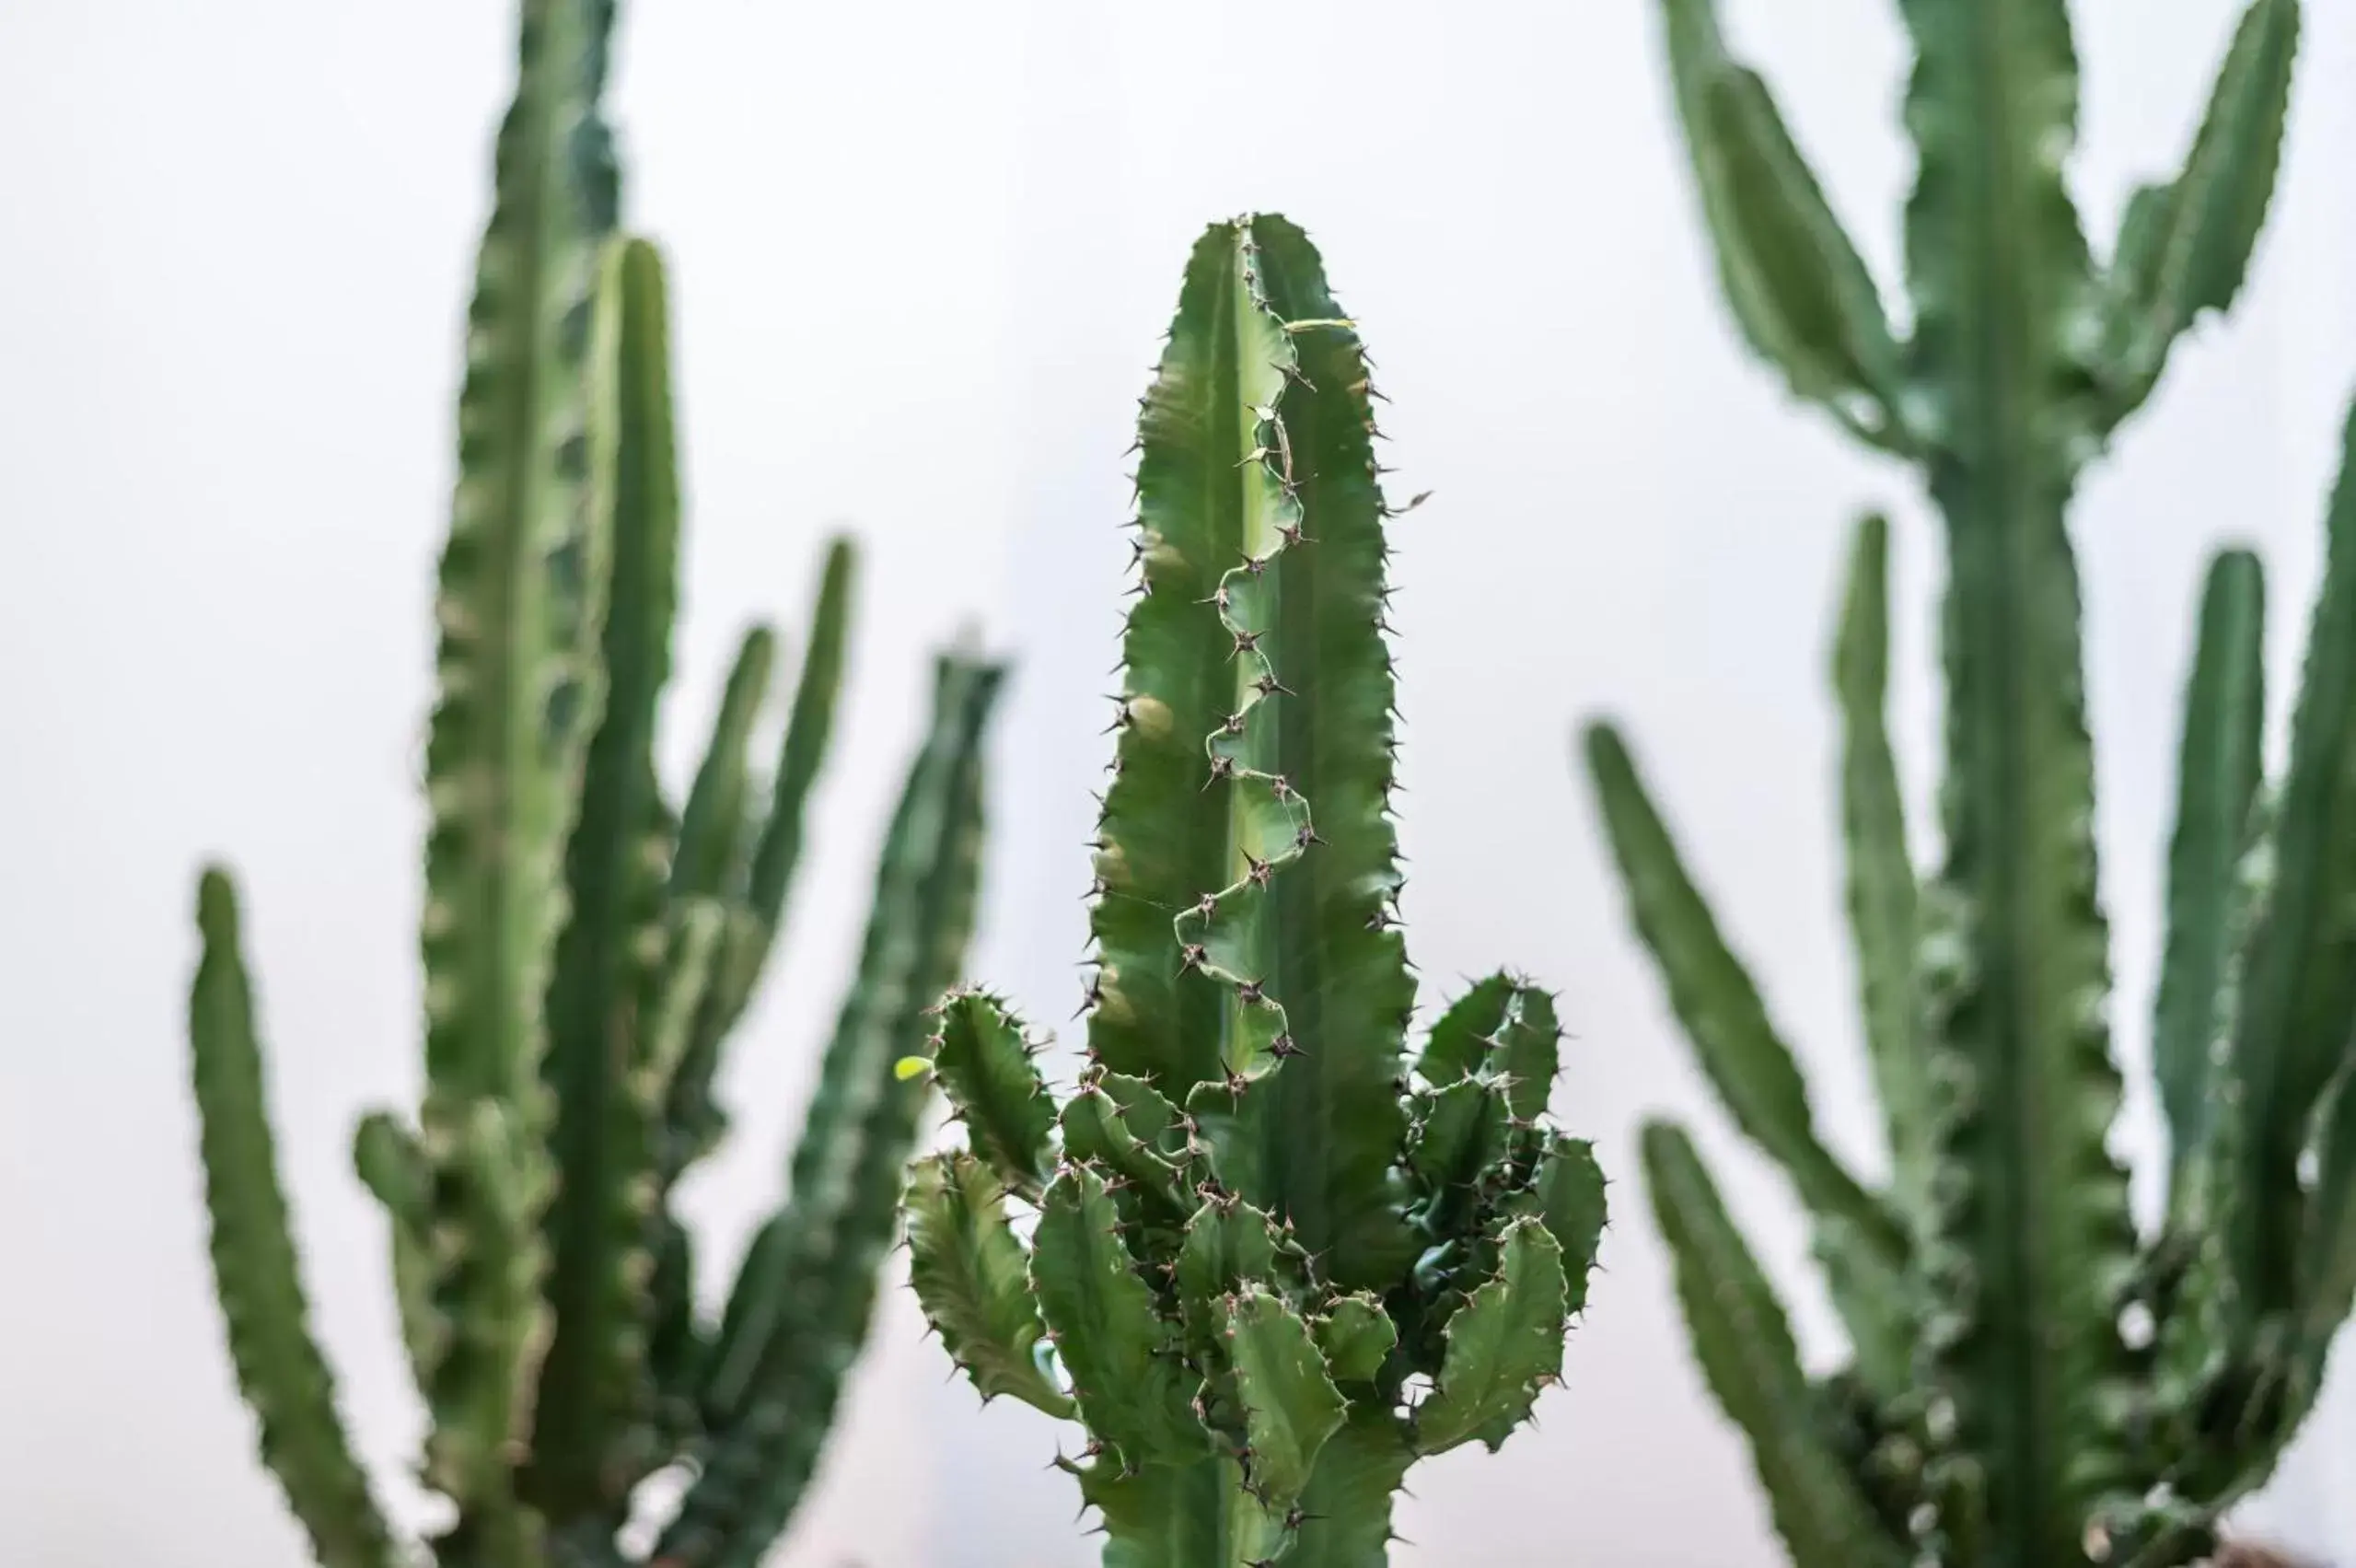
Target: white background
[924,255]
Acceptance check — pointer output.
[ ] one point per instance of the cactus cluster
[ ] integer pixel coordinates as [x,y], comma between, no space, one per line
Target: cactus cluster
[1268,1269]
[2032,1381]
[588,951]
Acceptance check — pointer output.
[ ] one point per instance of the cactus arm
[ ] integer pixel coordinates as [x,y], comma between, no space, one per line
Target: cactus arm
[1747,1061]
[808,728]
[2184,248]
[772,1392]
[1329,1122]
[1747,1355]
[279,1370]
[2299,990]
[972,1277]
[712,823]
[1461,1039]
[388,1163]
[2218,771]
[1131,1387]
[1881,881]
[986,1065]
[1291,1405]
[519,607]
[1505,1345]
[1792,279]
[1163,835]
[1507,1026]
[609,953]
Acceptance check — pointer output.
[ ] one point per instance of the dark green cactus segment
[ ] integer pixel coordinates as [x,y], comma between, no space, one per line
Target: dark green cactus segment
[1566,1193]
[1505,1346]
[712,826]
[1503,1026]
[1792,278]
[808,728]
[1165,839]
[712,854]
[2218,771]
[1252,784]
[388,1163]
[1131,1386]
[608,957]
[984,1063]
[1194,1515]
[801,1305]
[1290,1404]
[1881,894]
[972,1277]
[2299,991]
[1126,1142]
[2184,248]
[1357,1337]
[1330,1123]
[1745,1345]
[1462,1133]
[1749,1065]
[279,1370]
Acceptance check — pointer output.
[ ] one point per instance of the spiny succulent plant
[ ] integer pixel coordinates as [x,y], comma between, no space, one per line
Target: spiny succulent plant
[2033,1383]
[1269,1271]
[587,953]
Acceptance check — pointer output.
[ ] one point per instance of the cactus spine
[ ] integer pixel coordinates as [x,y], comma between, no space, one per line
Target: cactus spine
[1254,1239]
[587,952]
[2033,1384]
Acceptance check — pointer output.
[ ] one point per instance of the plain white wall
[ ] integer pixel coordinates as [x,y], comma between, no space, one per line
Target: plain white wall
[924,253]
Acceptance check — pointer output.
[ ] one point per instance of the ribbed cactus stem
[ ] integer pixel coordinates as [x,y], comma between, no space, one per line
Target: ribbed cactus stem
[587,952]
[1255,1237]
[2001,1407]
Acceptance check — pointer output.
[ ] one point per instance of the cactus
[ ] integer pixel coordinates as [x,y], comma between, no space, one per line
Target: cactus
[1266,1272]
[2033,1383]
[587,953]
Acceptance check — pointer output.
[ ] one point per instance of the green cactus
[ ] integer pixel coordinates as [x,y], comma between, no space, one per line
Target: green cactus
[2033,1383]
[587,953]
[1267,1273]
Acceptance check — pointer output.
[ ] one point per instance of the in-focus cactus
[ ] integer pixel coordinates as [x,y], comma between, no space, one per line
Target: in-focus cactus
[2033,1383]
[1268,1270]
[587,953]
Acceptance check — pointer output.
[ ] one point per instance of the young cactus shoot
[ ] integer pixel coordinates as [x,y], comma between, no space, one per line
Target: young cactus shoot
[2033,1384]
[1270,1269]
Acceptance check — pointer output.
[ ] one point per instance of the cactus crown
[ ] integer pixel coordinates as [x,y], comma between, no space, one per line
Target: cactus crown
[1272,1271]
[587,952]
[2032,1382]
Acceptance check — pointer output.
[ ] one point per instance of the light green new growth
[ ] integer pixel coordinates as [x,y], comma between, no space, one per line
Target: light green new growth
[587,953]
[2033,1384]
[1269,1271]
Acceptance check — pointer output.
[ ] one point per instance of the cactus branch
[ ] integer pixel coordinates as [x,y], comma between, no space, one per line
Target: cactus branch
[280,1369]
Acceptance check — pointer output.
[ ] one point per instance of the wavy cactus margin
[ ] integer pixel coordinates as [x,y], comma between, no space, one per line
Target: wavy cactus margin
[1267,1273]
[2032,1382]
[587,953]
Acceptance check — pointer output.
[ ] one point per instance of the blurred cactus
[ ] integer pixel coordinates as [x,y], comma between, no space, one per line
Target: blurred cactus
[1267,1273]
[587,952]
[2033,1385]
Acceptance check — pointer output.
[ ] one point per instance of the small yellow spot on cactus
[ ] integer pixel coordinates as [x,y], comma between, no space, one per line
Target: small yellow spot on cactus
[908,1067]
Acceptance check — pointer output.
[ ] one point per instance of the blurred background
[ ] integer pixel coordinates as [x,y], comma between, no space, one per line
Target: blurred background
[923,254]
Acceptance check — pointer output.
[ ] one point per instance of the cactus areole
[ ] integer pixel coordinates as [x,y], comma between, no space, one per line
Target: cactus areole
[1274,1262]
[2034,1384]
